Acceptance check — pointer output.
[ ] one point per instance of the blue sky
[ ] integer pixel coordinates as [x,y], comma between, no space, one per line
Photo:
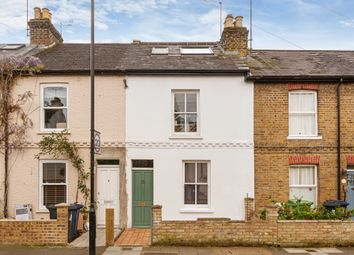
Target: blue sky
[278,24]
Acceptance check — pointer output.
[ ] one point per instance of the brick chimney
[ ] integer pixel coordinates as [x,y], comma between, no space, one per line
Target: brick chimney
[42,31]
[234,38]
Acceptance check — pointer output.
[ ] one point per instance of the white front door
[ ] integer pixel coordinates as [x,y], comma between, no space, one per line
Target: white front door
[107,192]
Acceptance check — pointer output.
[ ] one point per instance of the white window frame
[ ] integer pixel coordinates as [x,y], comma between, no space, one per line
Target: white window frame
[306,185]
[42,116]
[297,136]
[41,184]
[185,134]
[196,207]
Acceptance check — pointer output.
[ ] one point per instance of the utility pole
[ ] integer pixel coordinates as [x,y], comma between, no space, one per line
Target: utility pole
[251,35]
[92,214]
[220,4]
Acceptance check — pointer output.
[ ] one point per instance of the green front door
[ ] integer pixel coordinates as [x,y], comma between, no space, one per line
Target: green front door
[142,198]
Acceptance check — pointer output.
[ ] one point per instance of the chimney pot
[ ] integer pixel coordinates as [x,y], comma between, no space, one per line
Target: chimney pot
[229,21]
[46,14]
[42,31]
[234,38]
[37,13]
[238,21]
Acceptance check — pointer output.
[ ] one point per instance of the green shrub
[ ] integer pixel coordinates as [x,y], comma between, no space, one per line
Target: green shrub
[303,210]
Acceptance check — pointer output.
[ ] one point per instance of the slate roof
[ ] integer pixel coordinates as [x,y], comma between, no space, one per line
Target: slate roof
[20,49]
[300,64]
[138,58]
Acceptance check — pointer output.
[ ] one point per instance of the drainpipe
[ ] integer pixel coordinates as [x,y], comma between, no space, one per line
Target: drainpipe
[339,140]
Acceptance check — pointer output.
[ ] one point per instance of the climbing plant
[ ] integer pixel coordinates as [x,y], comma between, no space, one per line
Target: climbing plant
[14,120]
[58,145]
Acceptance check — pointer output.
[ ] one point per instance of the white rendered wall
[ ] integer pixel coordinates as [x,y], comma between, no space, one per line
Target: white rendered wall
[226,131]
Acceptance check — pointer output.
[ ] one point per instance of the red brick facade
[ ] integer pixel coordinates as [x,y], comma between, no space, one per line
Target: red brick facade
[274,152]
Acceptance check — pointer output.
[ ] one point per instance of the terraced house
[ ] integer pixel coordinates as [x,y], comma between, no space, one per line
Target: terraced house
[303,125]
[194,127]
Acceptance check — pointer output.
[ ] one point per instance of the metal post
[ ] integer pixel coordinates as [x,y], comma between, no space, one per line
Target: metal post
[251,29]
[92,244]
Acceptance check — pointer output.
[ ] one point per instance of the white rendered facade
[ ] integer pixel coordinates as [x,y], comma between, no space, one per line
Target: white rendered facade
[223,139]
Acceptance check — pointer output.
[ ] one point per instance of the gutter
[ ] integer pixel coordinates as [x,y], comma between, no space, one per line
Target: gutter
[300,78]
[184,72]
[339,139]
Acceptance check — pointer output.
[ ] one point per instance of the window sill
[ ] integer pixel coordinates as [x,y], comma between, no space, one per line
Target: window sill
[196,210]
[48,132]
[185,137]
[304,137]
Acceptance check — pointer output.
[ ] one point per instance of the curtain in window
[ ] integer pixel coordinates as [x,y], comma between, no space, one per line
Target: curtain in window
[302,114]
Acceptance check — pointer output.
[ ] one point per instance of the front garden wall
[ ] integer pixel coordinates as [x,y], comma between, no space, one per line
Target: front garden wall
[36,232]
[252,231]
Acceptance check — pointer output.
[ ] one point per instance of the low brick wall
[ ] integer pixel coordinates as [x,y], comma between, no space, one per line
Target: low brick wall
[36,232]
[315,233]
[252,231]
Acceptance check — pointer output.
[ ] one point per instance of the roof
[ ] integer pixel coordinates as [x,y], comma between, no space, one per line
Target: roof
[19,49]
[70,57]
[138,58]
[300,65]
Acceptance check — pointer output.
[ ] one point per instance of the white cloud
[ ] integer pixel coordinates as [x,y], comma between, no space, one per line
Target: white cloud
[347,23]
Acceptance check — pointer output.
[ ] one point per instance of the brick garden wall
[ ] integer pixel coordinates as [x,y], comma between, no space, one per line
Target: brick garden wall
[36,232]
[225,232]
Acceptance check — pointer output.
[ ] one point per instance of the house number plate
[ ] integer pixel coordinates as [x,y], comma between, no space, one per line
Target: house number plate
[141,203]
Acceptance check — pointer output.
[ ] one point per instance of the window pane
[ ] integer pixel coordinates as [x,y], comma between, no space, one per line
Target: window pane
[54,173]
[179,102]
[192,123]
[189,194]
[202,172]
[180,122]
[191,103]
[294,176]
[189,172]
[55,97]
[307,175]
[306,193]
[302,125]
[53,195]
[55,118]
[202,194]
[142,163]
[308,125]
[307,102]
[294,102]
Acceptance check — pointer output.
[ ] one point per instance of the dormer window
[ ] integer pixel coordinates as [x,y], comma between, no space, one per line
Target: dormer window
[196,51]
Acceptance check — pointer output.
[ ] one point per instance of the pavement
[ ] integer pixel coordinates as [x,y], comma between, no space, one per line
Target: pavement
[24,250]
[153,250]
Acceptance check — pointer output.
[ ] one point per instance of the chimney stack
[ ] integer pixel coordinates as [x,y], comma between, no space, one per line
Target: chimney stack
[42,31]
[234,38]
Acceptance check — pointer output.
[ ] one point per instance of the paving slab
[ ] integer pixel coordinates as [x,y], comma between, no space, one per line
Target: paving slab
[23,250]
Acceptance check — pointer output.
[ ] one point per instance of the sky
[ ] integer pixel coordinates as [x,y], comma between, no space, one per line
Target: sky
[277,24]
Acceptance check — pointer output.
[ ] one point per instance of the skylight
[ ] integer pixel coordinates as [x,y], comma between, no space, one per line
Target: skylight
[160,50]
[12,46]
[196,51]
